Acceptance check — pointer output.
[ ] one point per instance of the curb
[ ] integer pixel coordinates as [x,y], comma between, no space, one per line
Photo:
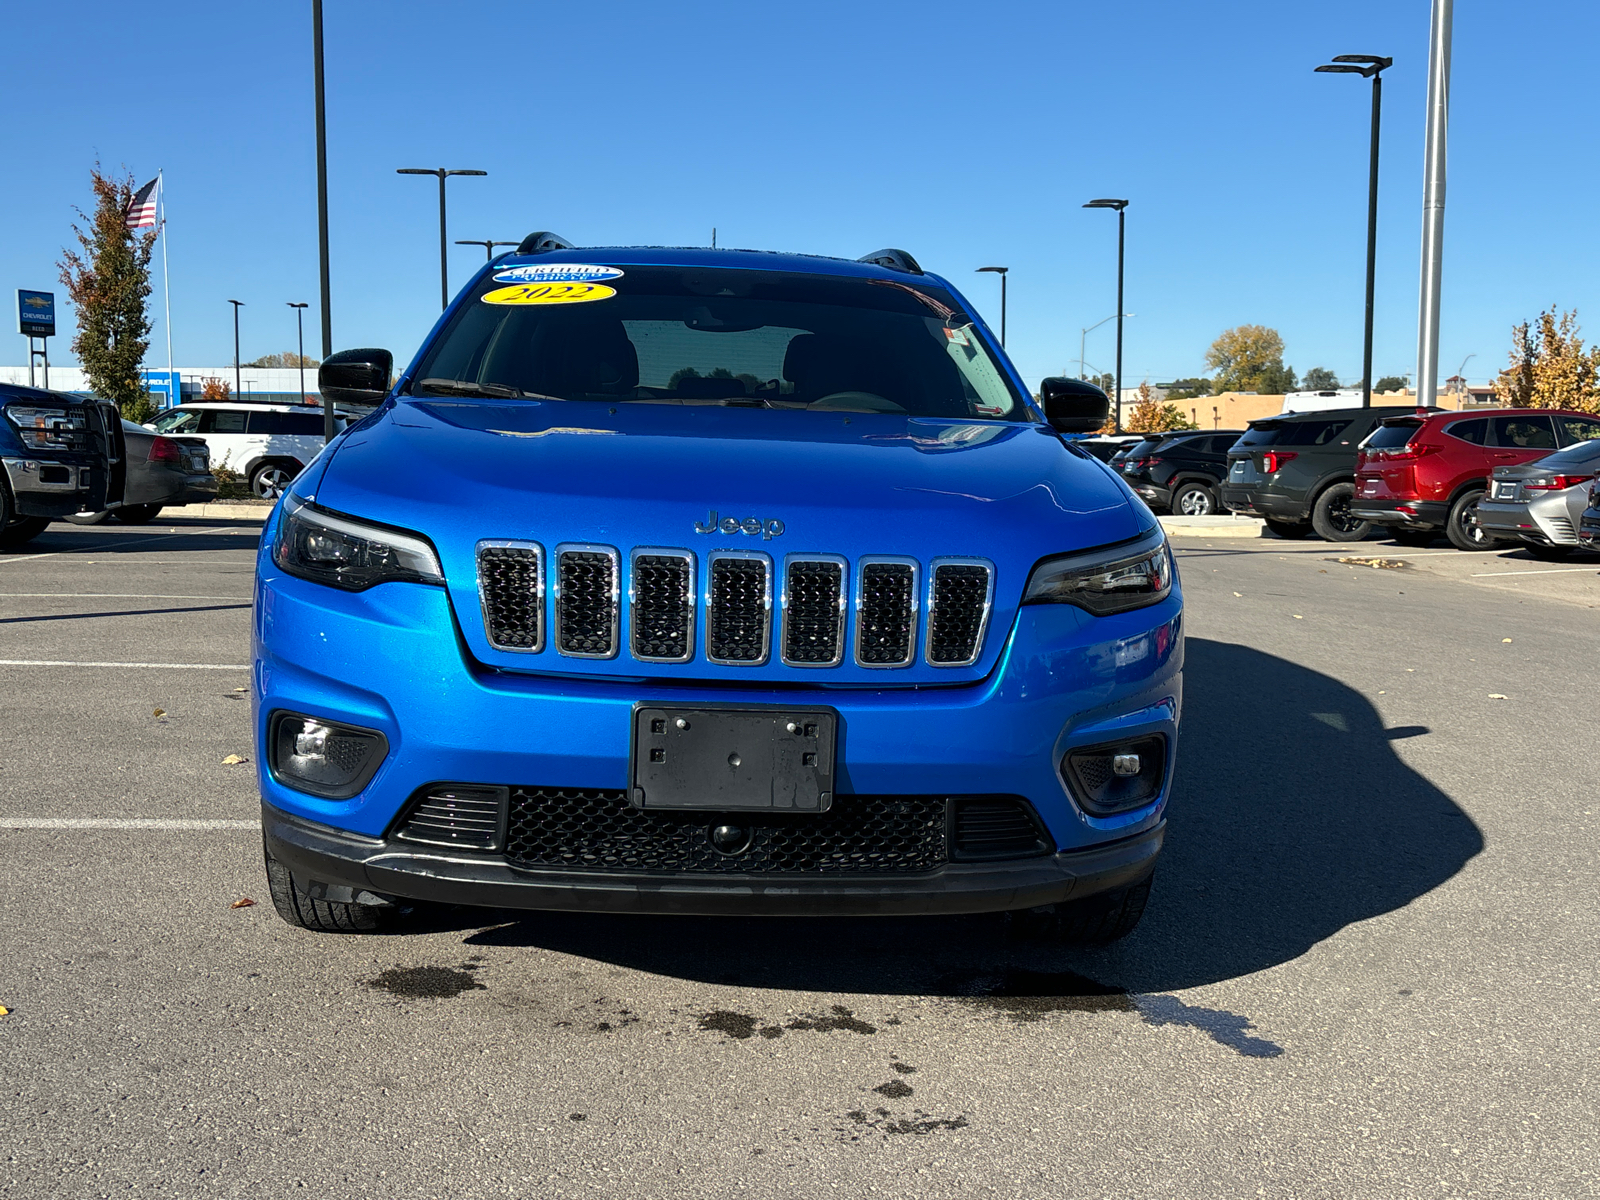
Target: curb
[1214,527]
[236,512]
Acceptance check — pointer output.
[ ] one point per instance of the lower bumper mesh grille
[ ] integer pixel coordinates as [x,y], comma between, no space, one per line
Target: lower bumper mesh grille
[599,831]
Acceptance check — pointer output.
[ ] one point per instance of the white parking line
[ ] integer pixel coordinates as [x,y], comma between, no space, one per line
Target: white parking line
[166,537]
[46,662]
[120,823]
[106,596]
[1544,571]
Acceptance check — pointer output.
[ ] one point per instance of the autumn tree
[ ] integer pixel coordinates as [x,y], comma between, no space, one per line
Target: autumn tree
[1249,358]
[1150,415]
[1549,367]
[287,359]
[212,388]
[109,282]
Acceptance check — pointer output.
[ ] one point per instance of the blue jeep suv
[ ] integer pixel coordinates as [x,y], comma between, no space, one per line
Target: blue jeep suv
[715,582]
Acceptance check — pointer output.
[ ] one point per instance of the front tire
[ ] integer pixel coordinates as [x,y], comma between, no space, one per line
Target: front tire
[19,533]
[1331,516]
[1463,529]
[324,916]
[1094,920]
[1295,531]
[1195,500]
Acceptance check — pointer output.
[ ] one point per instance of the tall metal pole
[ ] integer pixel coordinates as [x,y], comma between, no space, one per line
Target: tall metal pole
[238,387]
[1003,310]
[322,193]
[1433,202]
[1372,242]
[444,258]
[1116,405]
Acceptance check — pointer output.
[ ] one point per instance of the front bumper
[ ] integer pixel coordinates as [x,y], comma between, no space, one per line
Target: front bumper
[337,866]
[48,488]
[1416,514]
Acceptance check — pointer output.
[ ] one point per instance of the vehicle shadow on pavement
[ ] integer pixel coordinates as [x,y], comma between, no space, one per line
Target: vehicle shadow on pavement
[1292,819]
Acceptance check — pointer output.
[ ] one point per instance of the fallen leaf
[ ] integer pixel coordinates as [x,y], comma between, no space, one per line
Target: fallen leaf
[1324,571]
[1298,617]
[1504,640]
[160,712]
[1240,595]
[241,689]
[243,902]
[1411,669]
[4,1011]
[1383,693]
[1496,696]
[233,760]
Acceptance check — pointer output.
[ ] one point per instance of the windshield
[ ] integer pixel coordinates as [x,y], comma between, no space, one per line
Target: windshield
[177,420]
[678,335]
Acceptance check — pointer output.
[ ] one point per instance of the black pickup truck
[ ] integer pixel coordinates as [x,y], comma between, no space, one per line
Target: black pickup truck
[59,455]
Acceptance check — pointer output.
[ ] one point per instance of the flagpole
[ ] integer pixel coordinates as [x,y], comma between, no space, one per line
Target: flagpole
[166,284]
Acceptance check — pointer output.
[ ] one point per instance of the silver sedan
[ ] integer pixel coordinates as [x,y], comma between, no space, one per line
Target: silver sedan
[1540,503]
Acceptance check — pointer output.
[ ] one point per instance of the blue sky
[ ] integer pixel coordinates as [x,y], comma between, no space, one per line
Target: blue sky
[967,134]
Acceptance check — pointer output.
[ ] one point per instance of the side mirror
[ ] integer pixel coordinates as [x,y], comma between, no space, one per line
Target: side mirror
[356,376]
[1074,406]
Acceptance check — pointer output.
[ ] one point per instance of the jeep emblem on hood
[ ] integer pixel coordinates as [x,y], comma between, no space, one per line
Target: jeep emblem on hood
[768,529]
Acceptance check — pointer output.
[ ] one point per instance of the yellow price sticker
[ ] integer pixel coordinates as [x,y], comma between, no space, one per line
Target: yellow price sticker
[549,293]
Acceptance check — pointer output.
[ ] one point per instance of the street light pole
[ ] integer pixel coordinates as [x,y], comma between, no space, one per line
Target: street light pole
[1116,403]
[1084,333]
[1373,68]
[488,246]
[322,177]
[444,261]
[300,332]
[238,387]
[1000,271]
[1433,179]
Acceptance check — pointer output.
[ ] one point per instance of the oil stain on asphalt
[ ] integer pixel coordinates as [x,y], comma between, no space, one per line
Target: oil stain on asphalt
[741,1026]
[426,983]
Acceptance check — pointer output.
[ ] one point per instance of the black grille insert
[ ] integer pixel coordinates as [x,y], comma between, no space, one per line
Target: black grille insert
[958,613]
[993,827]
[813,612]
[586,601]
[511,590]
[572,830]
[467,818]
[739,616]
[661,618]
[886,614]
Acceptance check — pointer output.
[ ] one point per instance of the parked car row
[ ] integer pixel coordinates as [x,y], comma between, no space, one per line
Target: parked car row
[267,444]
[1478,478]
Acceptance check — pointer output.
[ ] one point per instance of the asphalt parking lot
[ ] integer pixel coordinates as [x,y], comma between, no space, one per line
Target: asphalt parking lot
[1368,968]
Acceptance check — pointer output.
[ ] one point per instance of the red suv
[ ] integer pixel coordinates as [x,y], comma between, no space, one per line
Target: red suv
[1419,473]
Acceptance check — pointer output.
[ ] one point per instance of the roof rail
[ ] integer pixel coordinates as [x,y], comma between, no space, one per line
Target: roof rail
[895,260]
[539,243]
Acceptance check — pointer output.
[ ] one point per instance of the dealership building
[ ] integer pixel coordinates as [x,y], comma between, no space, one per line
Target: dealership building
[259,385]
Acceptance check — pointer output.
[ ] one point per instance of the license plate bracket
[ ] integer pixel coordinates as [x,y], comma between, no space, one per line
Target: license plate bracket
[731,759]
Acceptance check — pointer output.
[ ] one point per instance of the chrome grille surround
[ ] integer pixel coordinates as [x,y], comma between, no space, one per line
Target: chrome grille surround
[585,593]
[738,608]
[661,608]
[959,603]
[508,602]
[813,621]
[881,579]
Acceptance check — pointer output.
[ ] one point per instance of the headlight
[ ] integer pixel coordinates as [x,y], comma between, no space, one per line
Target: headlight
[1106,581]
[46,428]
[345,553]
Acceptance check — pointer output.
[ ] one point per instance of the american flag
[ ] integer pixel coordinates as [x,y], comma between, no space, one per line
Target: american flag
[142,208]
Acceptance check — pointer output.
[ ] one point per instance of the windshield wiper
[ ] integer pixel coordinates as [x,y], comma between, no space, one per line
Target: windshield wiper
[462,387]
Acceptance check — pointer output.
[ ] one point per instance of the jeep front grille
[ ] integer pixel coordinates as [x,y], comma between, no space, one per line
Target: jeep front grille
[886,612]
[586,601]
[959,597]
[896,611]
[661,612]
[813,611]
[739,615]
[581,830]
[511,591]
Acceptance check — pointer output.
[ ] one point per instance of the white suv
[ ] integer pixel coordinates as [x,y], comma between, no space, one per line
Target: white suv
[269,444]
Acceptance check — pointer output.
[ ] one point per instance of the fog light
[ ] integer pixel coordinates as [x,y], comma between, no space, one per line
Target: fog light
[1116,776]
[324,758]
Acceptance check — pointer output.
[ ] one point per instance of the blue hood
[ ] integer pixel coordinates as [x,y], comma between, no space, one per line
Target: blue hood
[647,474]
